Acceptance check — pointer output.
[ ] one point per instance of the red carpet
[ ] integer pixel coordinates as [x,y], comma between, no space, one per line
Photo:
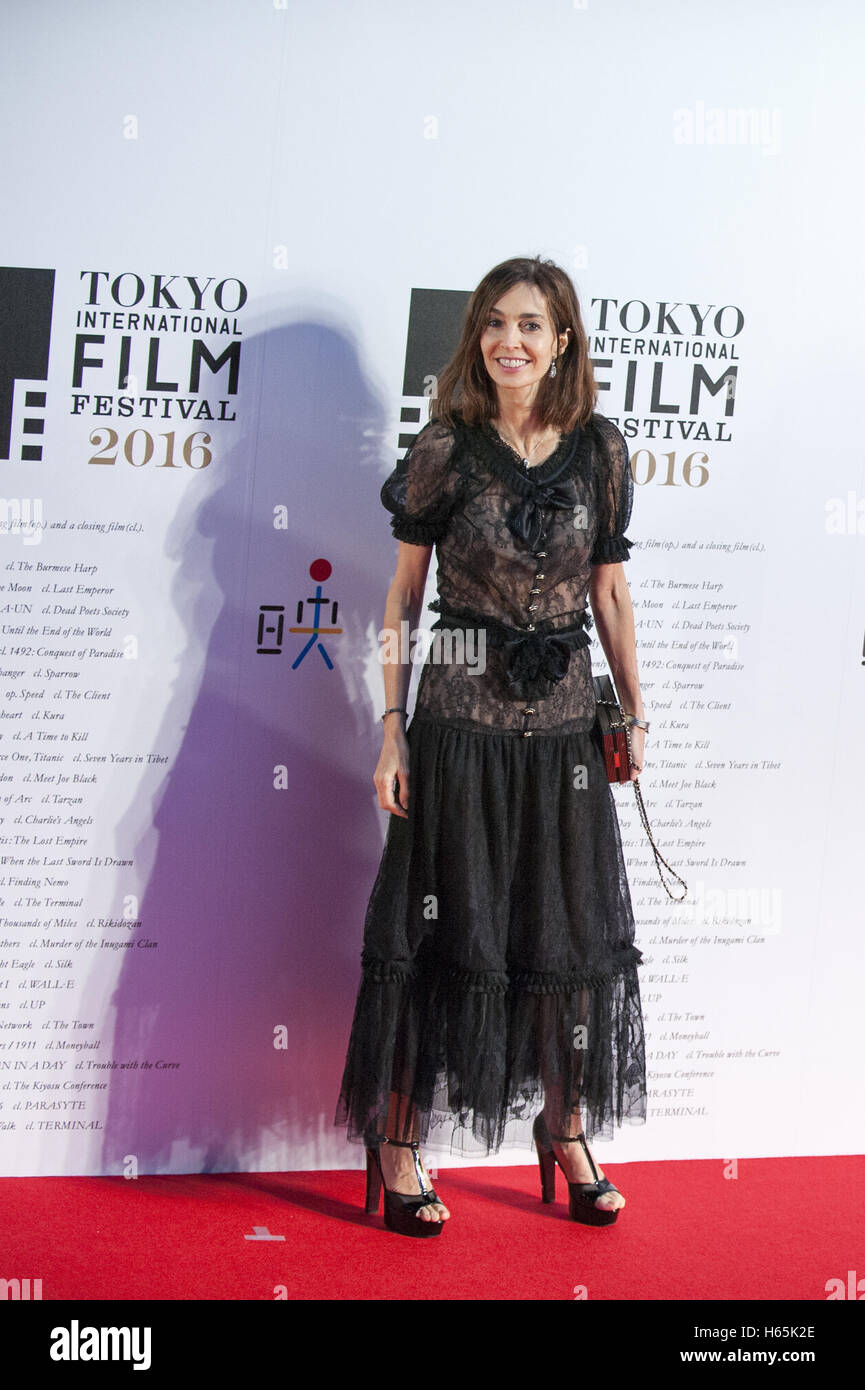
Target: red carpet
[781,1230]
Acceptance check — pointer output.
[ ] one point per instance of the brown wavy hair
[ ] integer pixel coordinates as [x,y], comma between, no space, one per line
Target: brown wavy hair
[465,385]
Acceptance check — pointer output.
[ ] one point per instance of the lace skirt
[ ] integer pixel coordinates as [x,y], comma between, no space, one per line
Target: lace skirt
[498,968]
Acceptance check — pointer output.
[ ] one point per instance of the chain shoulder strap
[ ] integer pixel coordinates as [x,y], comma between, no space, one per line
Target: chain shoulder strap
[659,858]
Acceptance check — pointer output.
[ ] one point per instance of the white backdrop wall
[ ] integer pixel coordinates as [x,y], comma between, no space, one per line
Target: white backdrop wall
[189,826]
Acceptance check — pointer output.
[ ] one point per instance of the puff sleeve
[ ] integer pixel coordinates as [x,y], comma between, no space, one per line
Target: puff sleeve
[425,487]
[615,495]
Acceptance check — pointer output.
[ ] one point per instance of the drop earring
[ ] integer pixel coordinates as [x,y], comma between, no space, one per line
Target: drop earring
[552,368]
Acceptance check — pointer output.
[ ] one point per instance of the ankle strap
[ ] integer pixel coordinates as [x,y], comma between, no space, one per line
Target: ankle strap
[414,1144]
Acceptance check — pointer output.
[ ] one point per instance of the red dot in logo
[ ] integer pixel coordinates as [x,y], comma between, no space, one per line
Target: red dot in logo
[320,570]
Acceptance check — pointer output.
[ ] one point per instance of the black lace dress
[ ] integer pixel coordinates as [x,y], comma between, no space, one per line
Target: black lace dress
[498,960]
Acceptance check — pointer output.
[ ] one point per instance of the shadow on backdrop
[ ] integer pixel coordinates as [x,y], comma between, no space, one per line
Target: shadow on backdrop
[256,896]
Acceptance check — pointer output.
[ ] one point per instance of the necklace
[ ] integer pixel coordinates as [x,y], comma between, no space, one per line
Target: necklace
[524,454]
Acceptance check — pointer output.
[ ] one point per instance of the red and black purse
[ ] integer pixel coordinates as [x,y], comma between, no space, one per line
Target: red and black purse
[615,732]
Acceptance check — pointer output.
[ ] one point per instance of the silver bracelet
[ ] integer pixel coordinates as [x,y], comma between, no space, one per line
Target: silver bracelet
[636,723]
[394,709]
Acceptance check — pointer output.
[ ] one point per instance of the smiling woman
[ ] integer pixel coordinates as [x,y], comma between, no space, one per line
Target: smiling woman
[499,969]
[525,310]
[519,339]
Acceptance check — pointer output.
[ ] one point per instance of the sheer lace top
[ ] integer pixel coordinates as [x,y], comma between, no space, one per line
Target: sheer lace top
[514,545]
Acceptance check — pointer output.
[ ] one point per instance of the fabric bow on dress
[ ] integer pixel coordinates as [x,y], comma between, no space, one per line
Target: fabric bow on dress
[525,520]
[536,658]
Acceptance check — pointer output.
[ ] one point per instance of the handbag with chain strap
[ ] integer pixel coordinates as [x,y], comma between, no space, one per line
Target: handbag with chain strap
[615,731]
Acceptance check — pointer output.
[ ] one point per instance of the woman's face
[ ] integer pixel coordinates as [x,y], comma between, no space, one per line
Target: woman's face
[518,343]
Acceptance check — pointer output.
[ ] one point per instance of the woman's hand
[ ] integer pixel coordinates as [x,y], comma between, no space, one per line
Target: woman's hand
[393,765]
[638,743]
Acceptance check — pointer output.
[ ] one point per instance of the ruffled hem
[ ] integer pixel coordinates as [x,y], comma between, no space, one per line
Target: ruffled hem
[471,1059]
[572,457]
[417,532]
[610,549]
[504,982]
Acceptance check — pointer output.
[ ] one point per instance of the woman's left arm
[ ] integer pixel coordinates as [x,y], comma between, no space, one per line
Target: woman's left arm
[613,614]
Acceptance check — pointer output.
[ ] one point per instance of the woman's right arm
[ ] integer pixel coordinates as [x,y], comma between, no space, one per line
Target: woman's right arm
[404,600]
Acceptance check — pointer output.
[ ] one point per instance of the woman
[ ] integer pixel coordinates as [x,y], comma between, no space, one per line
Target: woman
[499,964]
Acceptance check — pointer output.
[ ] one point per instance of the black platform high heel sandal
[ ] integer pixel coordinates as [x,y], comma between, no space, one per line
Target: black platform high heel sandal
[400,1208]
[582,1196]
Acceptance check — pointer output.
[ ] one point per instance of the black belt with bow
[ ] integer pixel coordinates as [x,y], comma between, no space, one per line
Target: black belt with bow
[534,661]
